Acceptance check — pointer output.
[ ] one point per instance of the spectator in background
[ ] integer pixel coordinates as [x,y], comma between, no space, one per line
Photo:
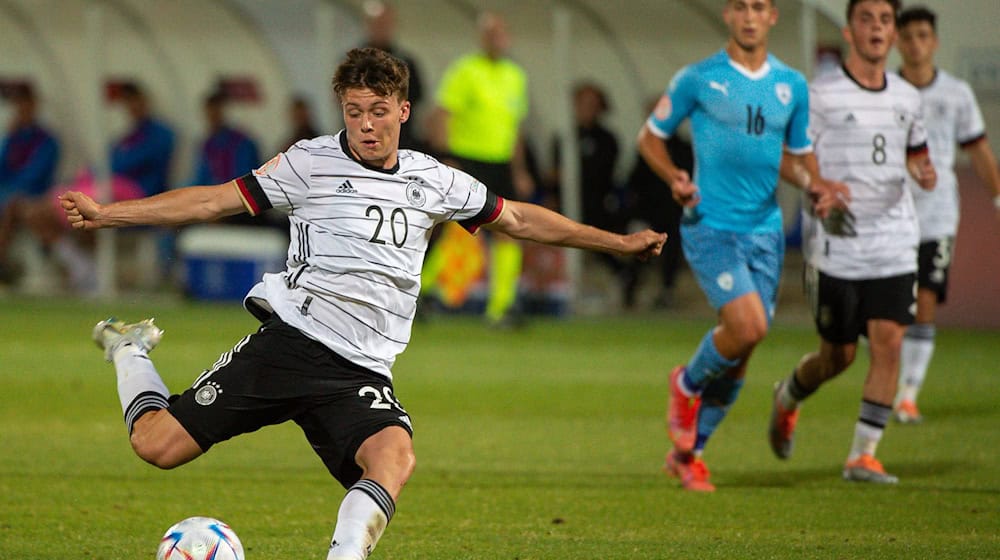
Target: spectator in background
[481,102]
[143,154]
[225,153]
[649,200]
[380,33]
[29,153]
[600,197]
[28,157]
[301,118]
[226,150]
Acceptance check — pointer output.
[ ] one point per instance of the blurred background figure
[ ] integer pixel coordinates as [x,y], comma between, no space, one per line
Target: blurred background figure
[650,204]
[380,32]
[143,154]
[481,101]
[300,118]
[601,198]
[227,152]
[29,155]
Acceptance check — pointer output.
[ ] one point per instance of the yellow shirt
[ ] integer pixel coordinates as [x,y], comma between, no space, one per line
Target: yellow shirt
[486,100]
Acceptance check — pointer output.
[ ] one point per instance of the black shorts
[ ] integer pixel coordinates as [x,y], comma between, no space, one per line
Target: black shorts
[497,177]
[842,308]
[934,263]
[279,374]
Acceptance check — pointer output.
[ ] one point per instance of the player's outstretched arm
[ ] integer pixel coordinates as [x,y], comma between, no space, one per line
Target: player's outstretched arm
[181,206]
[535,223]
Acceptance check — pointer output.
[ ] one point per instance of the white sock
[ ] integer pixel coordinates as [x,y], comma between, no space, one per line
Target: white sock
[918,349]
[363,516]
[866,438]
[140,388]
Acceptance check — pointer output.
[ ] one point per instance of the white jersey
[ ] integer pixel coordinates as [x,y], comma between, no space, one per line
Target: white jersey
[953,119]
[862,137]
[358,238]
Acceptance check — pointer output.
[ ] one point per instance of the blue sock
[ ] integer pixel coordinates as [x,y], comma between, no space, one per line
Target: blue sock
[705,365]
[716,401]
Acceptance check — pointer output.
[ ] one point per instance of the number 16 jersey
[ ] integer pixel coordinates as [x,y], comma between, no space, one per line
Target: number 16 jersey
[862,137]
[358,235]
[740,121]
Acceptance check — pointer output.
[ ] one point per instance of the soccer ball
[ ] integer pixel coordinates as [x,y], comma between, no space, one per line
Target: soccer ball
[200,538]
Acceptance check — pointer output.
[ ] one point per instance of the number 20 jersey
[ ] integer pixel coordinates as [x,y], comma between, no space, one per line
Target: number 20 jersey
[740,122]
[862,137]
[357,241]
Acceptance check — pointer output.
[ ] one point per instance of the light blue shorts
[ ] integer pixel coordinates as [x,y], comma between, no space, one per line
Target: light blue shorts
[729,264]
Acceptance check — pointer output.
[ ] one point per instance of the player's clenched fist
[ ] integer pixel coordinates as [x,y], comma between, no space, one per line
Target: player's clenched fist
[80,209]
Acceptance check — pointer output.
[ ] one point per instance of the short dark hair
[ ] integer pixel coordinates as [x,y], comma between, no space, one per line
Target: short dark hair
[374,69]
[896,6]
[916,14]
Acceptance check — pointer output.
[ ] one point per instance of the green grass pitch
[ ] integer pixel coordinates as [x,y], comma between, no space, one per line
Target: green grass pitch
[544,443]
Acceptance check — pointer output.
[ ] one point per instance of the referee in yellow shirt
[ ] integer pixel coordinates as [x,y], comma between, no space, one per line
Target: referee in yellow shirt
[481,101]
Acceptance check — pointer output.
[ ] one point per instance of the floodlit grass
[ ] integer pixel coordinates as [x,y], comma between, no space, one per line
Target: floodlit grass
[544,443]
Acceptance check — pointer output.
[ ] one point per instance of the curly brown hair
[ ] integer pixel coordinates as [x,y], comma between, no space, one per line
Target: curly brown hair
[374,69]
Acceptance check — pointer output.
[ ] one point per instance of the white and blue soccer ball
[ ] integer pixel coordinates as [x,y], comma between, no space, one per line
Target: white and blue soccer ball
[200,538]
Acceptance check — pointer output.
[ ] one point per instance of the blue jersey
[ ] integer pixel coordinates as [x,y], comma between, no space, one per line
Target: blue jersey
[143,155]
[740,123]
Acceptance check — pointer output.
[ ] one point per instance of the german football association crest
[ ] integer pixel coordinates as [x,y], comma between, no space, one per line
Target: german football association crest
[415,194]
[207,394]
[784,92]
[902,118]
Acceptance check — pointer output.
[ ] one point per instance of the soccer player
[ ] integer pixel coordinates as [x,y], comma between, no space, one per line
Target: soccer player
[746,108]
[868,131]
[952,117]
[361,212]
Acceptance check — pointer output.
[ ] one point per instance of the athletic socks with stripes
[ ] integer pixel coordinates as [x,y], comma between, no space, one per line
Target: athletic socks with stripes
[363,516]
[868,431]
[140,388]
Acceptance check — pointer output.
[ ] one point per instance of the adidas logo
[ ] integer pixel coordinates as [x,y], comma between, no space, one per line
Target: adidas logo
[346,188]
[850,118]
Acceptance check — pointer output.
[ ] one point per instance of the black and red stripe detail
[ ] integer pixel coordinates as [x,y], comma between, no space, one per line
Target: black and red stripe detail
[253,194]
[490,212]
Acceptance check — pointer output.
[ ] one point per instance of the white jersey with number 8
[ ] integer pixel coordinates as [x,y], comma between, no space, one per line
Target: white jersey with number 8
[863,137]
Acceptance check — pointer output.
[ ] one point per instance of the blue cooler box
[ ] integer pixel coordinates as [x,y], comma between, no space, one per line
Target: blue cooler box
[222,262]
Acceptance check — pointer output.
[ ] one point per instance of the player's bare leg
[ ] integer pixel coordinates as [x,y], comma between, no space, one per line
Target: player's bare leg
[387,461]
[885,339]
[160,440]
[716,369]
[813,370]
[156,436]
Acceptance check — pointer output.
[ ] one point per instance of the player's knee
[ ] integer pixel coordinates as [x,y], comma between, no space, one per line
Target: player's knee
[153,450]
[748,334]
[839,360]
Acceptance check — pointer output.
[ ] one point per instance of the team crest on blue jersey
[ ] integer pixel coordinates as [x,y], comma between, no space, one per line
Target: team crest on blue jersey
[784,92]
[415,194]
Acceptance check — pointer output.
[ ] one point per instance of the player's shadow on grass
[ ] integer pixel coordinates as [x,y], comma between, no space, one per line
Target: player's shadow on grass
[925,475]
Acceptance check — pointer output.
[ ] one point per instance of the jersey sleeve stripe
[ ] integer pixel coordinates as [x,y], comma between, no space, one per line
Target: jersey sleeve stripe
[799,151]
[971,141]
[490,212]
[253,194]
[917,150]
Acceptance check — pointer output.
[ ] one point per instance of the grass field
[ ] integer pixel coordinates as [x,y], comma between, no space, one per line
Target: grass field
[544,443]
